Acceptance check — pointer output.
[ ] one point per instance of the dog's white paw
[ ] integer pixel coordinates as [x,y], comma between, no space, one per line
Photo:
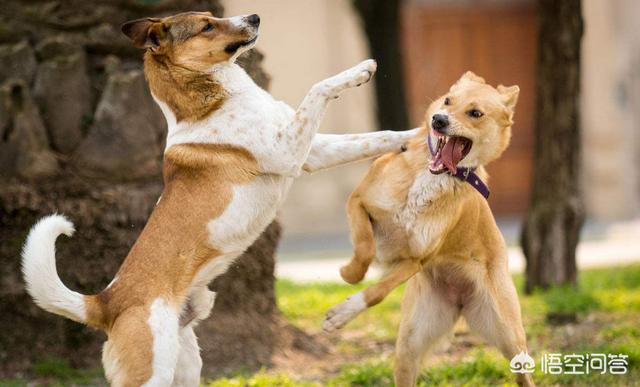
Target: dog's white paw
[353,77]
[341,314]
[361,73]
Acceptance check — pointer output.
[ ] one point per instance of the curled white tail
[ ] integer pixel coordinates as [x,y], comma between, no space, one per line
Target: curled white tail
[40,274]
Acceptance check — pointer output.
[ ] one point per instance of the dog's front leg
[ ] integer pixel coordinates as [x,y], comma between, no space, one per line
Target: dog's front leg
[296,141]
[330,150]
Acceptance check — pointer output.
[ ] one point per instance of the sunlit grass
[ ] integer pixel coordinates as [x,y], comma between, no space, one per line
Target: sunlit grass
[306,304]
[610,297]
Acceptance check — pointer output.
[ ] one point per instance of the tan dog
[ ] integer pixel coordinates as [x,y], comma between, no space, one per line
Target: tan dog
[436,230]
[232,153]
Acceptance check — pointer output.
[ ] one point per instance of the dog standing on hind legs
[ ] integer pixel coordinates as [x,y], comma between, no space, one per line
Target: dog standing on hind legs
[231,156]
[422,213]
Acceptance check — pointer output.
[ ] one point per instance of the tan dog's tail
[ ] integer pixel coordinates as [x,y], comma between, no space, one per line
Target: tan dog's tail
[41,276]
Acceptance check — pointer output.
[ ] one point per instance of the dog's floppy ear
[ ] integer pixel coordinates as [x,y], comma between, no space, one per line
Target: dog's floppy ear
[471,76]
[144,33]
[509,95]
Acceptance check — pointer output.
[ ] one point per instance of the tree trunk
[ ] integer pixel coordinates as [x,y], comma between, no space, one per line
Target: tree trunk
[80,135]
[552,226]
[381,19]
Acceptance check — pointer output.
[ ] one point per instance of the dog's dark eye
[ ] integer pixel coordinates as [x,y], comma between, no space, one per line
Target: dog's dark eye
[208,27]
[447,101]
[475,113]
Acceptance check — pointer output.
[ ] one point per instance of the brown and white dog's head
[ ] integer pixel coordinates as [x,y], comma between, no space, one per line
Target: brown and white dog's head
[470,126]
[195,40]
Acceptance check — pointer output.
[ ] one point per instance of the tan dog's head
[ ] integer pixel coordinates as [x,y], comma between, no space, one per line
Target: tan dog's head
[470,126]
[195,40]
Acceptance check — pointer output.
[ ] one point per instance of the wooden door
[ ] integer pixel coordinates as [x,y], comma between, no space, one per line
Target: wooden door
[496,41]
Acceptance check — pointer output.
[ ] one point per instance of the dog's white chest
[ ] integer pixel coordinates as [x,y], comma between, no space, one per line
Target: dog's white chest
[421,231]
[251,210]
[426,188]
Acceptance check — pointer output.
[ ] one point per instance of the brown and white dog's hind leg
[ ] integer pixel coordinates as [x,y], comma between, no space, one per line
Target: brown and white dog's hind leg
[347,310]
[189,363]
[126,355]
[494,313]
[427,316]
[142,347]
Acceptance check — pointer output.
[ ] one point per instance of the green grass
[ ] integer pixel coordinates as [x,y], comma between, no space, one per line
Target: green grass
[606,303]
[484,367]
[57,373]
[260,379]
[306,304]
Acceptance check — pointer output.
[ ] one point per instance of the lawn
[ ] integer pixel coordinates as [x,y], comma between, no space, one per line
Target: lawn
[601,316]
[606,305]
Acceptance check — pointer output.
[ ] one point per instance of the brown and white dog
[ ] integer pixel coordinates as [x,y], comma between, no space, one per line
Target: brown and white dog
[436,230]
[231,155]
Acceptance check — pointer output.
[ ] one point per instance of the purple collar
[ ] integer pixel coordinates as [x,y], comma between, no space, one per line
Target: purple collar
[465,174]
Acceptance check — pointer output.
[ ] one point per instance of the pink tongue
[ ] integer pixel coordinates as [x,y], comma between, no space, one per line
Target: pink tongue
[452,153]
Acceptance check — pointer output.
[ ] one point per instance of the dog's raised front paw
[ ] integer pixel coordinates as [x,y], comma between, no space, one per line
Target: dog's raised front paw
[362,72]
[353,77]
[341,314]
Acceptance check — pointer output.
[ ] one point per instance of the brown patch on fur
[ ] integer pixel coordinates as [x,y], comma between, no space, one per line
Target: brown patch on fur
[174,243]
[181,50]
[170,251]
[95,317]
[191,95]
[129,348]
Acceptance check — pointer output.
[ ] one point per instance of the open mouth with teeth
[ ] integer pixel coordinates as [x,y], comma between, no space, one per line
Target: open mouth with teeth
[449,151]
[233,47]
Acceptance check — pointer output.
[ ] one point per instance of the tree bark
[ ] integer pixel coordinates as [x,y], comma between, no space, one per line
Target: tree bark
[381,19]
[552,225]
[108,196]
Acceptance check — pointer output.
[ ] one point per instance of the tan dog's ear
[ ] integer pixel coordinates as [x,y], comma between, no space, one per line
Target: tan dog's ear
[471,76]
[144,33]
[509,95]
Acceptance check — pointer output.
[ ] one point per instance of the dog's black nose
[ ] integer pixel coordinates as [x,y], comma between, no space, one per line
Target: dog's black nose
[439,122]
[254,20]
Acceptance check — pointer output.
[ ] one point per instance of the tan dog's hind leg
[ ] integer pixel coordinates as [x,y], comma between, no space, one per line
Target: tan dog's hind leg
[494,313]
[426,317]
[347,310]
[362,237]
